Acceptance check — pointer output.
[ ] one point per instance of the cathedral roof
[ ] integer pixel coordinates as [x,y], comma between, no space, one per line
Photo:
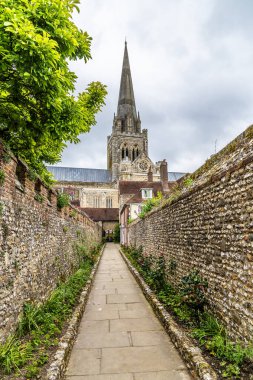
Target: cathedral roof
[63,174]
[175,176]
[80,174]
[126,102]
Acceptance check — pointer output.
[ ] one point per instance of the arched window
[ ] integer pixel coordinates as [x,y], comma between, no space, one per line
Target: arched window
[109,202]
[96,202]
[125,153]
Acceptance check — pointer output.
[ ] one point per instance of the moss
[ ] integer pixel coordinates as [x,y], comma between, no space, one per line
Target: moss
[2,177]
[1,209]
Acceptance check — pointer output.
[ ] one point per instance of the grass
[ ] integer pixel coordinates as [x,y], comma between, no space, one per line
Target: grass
[39,328]
[187,302]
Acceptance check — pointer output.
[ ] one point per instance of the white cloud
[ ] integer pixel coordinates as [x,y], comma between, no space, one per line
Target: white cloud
[191,63]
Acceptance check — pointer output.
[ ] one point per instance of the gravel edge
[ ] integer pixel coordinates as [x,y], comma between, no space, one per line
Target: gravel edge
[190,353]
[58,366]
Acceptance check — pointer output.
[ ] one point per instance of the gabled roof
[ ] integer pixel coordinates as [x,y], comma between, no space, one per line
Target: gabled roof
[102,214]
[133,187]
[80,174]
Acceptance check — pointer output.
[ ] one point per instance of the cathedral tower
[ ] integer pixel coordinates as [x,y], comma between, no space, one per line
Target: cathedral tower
[127,147]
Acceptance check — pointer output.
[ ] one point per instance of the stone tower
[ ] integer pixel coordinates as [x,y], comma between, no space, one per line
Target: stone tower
[127,147]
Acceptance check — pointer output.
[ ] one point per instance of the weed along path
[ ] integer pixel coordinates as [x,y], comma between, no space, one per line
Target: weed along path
[119,337]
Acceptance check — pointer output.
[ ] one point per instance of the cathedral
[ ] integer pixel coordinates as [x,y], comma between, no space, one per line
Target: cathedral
[102,193]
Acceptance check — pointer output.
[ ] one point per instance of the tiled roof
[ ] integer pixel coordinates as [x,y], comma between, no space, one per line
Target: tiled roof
[65,174]
[102,214]
[80,174]
[133,187]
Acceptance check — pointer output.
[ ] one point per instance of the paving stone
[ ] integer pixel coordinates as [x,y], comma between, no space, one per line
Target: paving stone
[122,376]
[102,314]
[102,340]
[150,338]
[94,326]
[135,359]
[134,313]
[124,298]
[164,375]
[84,362]
[138,324]
[97,299]
[106,307]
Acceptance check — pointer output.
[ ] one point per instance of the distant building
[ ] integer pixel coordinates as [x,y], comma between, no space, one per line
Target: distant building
[129,167]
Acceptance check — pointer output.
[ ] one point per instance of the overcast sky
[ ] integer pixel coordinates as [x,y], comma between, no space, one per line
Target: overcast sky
[192,71]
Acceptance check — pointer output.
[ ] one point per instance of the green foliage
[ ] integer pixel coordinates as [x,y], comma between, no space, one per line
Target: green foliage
[150,204]
[2,177]
[38,197]
[213,336]
[63,200]
[73,214]
[6,157]
[187,302]
[130,220]
[1,208]
[38,112]
[193,290]
[188,182]
[116,233]
[32,175]
[172,266]
[40,326]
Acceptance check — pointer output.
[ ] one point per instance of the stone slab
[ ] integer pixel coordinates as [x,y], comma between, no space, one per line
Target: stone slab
[163,375]
[136,359]
[122,376]
[149,338]
[94,326]
[84,362]
[138,324]
[124,298]
[102,314]
[102,340]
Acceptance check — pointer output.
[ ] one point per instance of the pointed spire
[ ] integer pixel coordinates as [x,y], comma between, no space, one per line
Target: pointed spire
[126,103]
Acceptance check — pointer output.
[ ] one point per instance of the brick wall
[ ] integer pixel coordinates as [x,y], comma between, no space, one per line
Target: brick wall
[37,241]
[209,226]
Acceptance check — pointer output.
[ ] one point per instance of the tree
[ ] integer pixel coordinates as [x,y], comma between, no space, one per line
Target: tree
[38,111]
[116,233]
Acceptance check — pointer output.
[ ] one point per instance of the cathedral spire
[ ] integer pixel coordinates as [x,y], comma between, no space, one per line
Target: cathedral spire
[126,103]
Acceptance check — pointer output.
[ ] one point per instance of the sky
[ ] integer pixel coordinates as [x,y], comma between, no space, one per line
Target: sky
[192,69]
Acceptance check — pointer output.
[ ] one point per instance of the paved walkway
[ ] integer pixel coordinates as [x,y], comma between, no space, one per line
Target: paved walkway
[120,338]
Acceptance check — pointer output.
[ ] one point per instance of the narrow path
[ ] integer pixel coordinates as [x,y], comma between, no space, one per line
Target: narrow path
[120,338]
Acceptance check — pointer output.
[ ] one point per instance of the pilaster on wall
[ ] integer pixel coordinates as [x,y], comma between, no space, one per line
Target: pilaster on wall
[209,227]
[37,241]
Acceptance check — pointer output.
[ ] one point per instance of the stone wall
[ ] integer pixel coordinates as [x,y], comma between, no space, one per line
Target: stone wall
[37,241]
[208,225]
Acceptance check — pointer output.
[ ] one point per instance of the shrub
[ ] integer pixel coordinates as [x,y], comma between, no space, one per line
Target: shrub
[2,177]
[63,200]
[193,290]
[116,233]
